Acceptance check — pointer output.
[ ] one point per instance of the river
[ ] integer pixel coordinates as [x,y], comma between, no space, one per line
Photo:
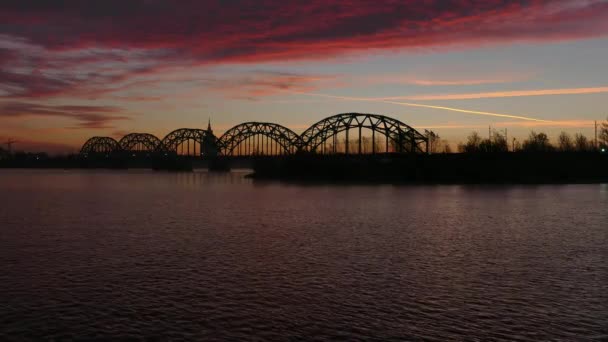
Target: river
[200,256]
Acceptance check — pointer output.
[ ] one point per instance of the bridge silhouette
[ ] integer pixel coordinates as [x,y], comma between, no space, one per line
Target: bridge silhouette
[332,135]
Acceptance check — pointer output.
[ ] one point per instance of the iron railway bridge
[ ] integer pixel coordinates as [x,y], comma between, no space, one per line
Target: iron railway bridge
[347,133]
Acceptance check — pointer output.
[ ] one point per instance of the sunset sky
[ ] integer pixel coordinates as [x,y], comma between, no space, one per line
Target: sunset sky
[73,69]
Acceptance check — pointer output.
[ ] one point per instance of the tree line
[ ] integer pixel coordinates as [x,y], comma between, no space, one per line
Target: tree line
[536,142]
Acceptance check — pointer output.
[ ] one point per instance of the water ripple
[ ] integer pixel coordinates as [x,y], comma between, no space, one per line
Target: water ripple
[127,255]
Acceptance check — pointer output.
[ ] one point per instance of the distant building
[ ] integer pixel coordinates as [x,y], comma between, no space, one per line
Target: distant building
[209,130]
[3,154]
[210,143]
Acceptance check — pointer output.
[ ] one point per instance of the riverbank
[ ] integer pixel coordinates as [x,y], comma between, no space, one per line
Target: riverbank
[496,168]
[440,168]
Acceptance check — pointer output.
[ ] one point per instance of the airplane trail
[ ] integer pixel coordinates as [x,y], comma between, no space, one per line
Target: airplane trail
[409,104]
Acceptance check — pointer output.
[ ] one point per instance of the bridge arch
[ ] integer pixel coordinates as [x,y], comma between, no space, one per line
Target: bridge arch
[140,142]
[322,137]
[190,142]
[259,138]
[100,145]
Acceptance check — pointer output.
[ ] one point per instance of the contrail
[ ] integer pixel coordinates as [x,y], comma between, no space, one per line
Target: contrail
[408,104]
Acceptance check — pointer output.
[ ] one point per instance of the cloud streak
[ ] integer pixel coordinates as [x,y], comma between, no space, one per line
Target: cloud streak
[90,117]
[249,31]
[120,50]
[87,50]
[499,94]
[92,50]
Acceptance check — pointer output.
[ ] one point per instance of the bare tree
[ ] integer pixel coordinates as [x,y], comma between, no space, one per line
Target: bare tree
[516,145]
[472,144]
[446,146]
[582,143]
[603,136]
[380,145]
[341,143]
[434,141]
[499,143]
[485,145]
[565,143]
[366,143]
[537,142]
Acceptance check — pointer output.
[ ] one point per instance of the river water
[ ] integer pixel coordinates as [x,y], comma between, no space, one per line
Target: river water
[124,254]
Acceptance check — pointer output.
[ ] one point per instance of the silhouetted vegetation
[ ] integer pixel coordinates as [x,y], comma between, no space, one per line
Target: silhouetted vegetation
[537,142]
[536,160]
[603,135]
[582,144]
[475,144]
[472,144]
[436,144]
[565,143]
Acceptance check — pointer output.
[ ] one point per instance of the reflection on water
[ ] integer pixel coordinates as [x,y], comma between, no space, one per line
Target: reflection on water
[90,254]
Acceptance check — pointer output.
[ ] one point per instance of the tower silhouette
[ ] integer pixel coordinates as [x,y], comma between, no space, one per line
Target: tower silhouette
[210,142]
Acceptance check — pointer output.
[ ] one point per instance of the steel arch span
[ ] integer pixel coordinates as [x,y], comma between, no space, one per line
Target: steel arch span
[140,142]
[278,139]
[181,138]
[100,145]
[402,137]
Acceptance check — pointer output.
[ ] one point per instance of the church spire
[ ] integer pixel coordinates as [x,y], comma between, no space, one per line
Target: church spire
[209,126]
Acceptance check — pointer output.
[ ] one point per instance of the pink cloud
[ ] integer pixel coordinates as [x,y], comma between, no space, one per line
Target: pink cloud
[91,49]
[248,31]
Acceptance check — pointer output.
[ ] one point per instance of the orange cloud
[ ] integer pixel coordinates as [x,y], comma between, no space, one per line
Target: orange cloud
[500,94]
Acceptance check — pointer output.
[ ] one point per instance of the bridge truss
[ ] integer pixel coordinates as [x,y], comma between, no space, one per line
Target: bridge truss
[140,142]
[190,142]
[331,135]
[395,136]
[258,138]
[100,145]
